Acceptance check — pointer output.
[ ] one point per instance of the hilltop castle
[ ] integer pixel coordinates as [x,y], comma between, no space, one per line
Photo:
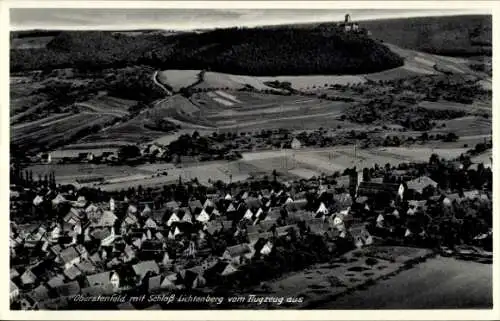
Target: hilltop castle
[347,26]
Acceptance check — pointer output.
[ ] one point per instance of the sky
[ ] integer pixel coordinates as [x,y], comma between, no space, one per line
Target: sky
[186,19]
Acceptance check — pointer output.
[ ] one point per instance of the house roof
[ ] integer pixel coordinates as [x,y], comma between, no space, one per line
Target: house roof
[72,273]
[98,279]
[101,233]
[371,188]
[13,273]
[238,250]
[267,224]
[40,293]
[68,289]
[172,205]
[86,267]
[253,203]
[106,219]
[56,281]
[420,183]
[142,268]
[193,205]
[13,287]
[154,282]
[69,254]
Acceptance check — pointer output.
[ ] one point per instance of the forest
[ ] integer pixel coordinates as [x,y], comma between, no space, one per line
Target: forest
[259,51]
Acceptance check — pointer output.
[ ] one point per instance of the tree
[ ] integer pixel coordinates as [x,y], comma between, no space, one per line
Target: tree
[129,151]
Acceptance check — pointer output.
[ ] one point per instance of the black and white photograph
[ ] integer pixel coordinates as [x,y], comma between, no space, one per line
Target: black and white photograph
[250,159]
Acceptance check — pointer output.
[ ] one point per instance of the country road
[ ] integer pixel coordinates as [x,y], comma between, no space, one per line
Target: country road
[155,80]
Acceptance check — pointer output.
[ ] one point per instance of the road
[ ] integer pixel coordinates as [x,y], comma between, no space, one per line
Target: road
[440,283]
[155,80]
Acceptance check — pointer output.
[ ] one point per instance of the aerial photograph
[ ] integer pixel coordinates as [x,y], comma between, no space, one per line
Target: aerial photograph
[225,159]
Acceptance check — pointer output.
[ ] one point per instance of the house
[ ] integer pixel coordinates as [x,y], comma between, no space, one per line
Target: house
[37,200]
[203,217]
[223,269]
[377,190]
[238,253]
[248,215]
[56,281]
[142,268]
[104,279]
[69,257]
[86,267]
[296,144]
[73,217]
[266,248]
[284,230]
[72,273]
[192,278]
[213,226]
[195,206]
[150,224]
[361,237]
[322,210]
[107,219]
[45,158]
[169,281]
[59,199]
[39,294]
[68,289]
[105,235]
[172,219]
[14,291]
[172,205]
[418,184]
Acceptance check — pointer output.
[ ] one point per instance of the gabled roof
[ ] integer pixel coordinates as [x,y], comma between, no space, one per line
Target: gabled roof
[231,208]
[86,267]
[56,281]
[371,188]
[193,205]
[144,267]
[68,289]
[238,250]
[420,183]
[69,254]
[99,279]
[172,205]
[106,219]
[39,294]
[72,273]
[13,287]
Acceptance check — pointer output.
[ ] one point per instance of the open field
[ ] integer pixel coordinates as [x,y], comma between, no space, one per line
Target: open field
[74,152]
[69,173]
[230,111]
[439,283]
[57,131]
[445,105]
[465,126]
[177,79]
[232,82]
[108,105]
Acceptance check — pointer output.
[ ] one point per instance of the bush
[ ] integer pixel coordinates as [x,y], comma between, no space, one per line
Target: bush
[371,261]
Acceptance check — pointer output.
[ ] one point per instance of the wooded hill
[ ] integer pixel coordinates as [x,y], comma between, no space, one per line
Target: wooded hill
[258,51]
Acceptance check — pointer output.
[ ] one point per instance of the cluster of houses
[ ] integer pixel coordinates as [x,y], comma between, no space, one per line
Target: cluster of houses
[139,245]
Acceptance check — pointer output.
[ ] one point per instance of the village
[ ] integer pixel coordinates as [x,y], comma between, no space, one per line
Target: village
[188,237]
